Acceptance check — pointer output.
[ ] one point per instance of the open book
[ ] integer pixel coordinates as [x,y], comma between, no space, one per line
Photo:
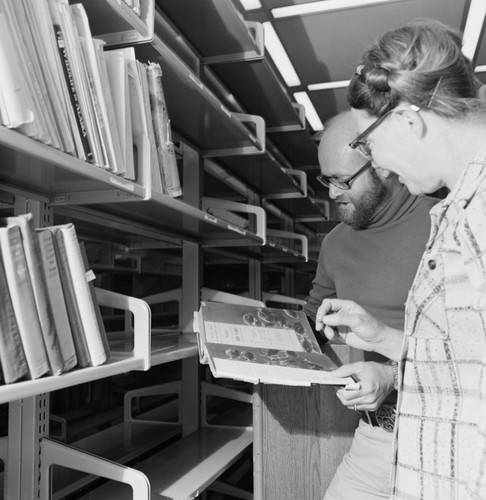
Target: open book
[261,344]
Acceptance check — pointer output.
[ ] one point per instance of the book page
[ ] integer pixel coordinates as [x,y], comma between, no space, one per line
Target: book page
[255,336]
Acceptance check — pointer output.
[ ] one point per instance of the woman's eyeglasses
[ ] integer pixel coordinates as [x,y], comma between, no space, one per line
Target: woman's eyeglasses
[360,143]
[343,184]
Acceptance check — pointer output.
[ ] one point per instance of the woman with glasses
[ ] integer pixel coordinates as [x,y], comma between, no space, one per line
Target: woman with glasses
[415,99]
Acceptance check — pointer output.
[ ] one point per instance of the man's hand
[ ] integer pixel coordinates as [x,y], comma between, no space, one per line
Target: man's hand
[376,381]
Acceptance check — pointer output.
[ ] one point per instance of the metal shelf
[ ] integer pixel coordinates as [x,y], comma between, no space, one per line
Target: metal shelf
[196,114]
[230,37]
[258,89]
[40,169]
[116,23]
[161,219]
[234,48]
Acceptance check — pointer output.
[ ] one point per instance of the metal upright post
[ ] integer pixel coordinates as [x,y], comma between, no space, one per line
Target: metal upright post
[28,420]
[191,286]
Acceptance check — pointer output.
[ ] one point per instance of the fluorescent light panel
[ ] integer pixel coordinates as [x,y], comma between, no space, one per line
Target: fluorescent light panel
[279,56]
[310,111]
[323,6]
[251,4]
[480,69]
[474,25]
[328,85]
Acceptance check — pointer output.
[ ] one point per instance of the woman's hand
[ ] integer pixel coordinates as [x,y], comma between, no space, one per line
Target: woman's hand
[375,380]
[358,328]
[361,330]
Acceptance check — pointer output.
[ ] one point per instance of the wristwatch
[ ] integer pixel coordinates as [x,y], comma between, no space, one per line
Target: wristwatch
[394,366]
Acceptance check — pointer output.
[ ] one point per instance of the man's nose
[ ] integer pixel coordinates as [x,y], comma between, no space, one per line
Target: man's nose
[334,192]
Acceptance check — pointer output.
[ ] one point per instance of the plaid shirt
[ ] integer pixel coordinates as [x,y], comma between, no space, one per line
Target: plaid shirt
[440,445]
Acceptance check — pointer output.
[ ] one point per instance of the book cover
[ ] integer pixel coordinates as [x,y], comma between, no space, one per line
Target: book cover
[56,298]
[90,278]
[33,258]
[23,300]
[66,236]
[95,86]
[74,315]
[163,134]
[12,357]
[14,108]
[260,344]
[84,150]
[153,177]
[118,80]
[38,20]
[110,107]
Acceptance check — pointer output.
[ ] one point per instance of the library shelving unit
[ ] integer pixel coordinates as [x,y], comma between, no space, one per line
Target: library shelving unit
[243,201]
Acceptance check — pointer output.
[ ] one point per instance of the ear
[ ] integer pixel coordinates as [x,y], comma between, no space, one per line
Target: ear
[410,118]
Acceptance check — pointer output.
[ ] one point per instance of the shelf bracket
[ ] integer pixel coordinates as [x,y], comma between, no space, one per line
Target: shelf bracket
[54,453]
[209,204]
[277,234]
[255,30]
[299,179]
[300,111]
[141,320]
[256,135]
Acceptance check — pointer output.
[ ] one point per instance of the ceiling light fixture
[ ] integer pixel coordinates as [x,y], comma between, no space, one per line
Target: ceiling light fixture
[251,4]
[328,85]
[323,6]
[279,56]
[310,111]
[480,69]
[474,25]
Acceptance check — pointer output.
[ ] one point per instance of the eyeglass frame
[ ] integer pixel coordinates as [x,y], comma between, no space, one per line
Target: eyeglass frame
[359,144]
[343,184]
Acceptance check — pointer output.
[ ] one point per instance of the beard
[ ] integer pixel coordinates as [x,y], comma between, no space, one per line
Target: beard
[359,212]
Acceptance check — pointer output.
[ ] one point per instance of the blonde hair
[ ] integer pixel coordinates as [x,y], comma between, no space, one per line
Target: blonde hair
[420,63]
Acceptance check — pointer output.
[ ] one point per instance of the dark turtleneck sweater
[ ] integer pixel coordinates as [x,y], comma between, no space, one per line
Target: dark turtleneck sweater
[375,266]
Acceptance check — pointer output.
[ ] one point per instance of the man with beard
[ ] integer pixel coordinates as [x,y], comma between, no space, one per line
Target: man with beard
[371,257]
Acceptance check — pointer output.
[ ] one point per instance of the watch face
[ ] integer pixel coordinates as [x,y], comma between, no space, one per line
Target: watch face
[385,416]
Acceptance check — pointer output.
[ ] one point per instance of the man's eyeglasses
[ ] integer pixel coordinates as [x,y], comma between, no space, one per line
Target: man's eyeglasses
[343,184]
[360,143]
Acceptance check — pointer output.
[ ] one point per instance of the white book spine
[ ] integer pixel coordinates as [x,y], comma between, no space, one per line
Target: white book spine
[85,301]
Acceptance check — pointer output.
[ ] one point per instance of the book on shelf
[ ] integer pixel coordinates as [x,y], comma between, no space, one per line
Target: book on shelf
[262,345]
[74,314]
[91,68]
[83,148]
[87,336]
[14,98]
[42,127]
[56,298]
[137,113]
[43,305]
[90,277]
[23,301]
[12,357]
[163,134]
[154,179]
[118,80]
[39,22]
[110,107]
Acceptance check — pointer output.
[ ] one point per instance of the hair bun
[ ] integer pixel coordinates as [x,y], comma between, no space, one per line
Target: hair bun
[377,78]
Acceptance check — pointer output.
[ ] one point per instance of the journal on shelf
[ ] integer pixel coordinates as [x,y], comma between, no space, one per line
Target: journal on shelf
[260,344]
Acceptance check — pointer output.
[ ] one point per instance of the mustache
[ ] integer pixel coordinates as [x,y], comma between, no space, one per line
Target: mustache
[341,199]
